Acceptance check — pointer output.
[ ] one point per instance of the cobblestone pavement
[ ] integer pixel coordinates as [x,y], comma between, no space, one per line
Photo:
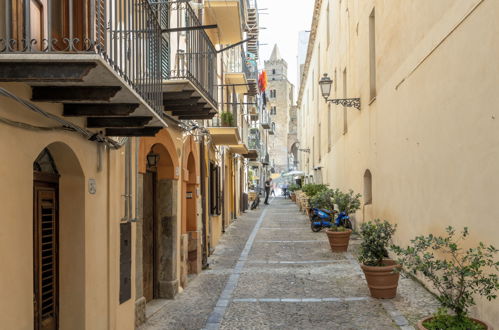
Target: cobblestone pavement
[270,271]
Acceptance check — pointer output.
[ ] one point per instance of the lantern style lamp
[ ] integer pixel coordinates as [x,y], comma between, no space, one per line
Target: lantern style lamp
[325,84]
[152,159]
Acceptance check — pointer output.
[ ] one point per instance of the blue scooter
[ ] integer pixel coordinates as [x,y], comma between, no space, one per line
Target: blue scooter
[320,218]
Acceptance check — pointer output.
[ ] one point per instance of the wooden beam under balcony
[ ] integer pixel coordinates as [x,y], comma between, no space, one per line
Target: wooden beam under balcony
[189,101]
[177,95]
[45,71]
[144,131]
[98,109]
[132,121]
[187,108]
[196,117]
[73,93]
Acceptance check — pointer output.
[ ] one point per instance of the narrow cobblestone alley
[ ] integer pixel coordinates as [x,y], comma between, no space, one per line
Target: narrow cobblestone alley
[272,272]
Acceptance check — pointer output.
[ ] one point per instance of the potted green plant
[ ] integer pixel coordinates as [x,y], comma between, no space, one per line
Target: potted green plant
[310,190]
[382,273]
[338,238]
[347,202]
[292,188]
[227,119]
[456,274]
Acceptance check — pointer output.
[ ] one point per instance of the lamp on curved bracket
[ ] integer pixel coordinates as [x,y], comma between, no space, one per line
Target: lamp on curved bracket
[325,85]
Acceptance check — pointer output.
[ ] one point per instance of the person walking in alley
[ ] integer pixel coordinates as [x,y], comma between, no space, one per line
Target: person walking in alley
[268,185]
[272,191]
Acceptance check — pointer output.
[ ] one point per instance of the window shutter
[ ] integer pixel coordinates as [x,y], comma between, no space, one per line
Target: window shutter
[125,262]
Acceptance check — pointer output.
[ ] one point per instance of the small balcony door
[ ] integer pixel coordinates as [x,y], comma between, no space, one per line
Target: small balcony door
[69,21]
[45,243]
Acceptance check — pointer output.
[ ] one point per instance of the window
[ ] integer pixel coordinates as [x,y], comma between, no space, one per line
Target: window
[372,54]
[273,71]
[313,85]
[328,25]
[273,93]
[368,188]
[273,110]
[215,190]
[319,146]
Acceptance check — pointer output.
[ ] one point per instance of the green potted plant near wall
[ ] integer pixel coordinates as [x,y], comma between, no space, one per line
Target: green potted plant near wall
[382,273]
[338,236]
[347,202]
[310,190]
[456,274]
[227,119]
[292,188]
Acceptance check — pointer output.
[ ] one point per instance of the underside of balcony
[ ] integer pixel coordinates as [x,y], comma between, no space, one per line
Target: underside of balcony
[240,148]
[88,87]
[183,99]
[227,15]
[226,136]
[252,155]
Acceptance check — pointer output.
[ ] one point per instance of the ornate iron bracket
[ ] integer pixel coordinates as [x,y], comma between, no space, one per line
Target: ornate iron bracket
[305,150]
[350,103]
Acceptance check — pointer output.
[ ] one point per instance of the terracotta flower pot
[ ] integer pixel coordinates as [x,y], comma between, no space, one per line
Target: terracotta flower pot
[338,240]
[382,281]
[422,327]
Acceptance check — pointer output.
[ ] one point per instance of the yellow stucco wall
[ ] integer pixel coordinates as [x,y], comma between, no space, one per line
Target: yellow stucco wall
[430,137]
[89,224]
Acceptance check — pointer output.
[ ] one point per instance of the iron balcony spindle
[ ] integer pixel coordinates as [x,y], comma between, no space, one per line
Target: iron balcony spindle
[124,32]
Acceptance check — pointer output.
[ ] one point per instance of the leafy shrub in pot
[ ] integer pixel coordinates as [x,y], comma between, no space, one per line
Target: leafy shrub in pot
[381,273]
[339,238]
[312,189]
[227,119]
[323,200]
[347,202]
[455,273]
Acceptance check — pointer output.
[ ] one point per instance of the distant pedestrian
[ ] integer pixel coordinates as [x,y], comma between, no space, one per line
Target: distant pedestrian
[268,184]
[285,190]
[272,191]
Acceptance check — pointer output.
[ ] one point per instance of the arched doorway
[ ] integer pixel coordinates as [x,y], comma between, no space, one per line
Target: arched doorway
[191,216]
[159,225]
[58,239]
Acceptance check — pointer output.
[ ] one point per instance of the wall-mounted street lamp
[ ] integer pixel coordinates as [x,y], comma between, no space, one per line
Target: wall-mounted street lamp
[152,159]
[325,84]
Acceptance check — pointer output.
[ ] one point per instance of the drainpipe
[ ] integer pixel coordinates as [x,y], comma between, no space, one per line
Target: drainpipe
[127,178]
[203,205]
[137,145]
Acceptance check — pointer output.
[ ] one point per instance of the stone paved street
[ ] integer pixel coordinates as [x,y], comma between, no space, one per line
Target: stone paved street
[271,271]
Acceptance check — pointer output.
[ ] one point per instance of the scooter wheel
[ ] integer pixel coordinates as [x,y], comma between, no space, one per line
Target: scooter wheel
[315,228]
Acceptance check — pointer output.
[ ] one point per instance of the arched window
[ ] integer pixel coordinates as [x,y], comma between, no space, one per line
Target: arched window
[368,188]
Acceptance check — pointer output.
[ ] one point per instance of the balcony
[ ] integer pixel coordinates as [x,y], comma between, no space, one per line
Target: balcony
[223,133]
[229,16]
[253,28]
[236,70]
[190,81]
[265,119]
[101,65]
[272,129]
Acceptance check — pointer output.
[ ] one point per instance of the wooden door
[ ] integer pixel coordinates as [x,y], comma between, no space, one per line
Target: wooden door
[149,236]
[46,255]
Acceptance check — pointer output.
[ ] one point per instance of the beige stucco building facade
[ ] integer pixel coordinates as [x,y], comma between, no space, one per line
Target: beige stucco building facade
[423,149]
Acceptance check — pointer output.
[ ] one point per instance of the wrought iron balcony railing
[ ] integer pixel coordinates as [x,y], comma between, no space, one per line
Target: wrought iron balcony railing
[194,57]
[125,33]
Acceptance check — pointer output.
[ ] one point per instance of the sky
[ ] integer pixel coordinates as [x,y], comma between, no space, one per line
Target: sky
[282,21]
